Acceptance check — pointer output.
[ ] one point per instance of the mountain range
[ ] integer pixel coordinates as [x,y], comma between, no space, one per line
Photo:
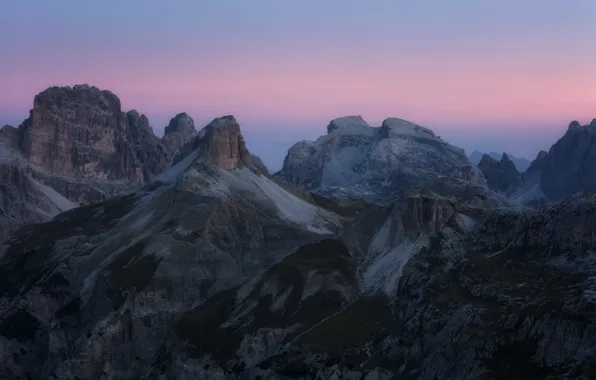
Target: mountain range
[77,147]
[374,253]
[521,163]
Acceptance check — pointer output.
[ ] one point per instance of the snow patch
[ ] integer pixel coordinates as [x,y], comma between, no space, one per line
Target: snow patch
[289,206]
[175,171]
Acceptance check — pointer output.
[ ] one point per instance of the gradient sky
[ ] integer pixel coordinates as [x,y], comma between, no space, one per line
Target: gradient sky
[488,75]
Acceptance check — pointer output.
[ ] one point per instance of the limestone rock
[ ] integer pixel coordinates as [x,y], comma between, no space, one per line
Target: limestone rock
[521,163]
[81,132]
[355,160]
[178,132]
[564,170]
[221,144]
[260,165]
[78,146]
[501,176]
[569,165]
[154,157]
[10,137]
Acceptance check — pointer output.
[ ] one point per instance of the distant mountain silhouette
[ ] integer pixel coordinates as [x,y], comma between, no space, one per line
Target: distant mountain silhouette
[521,164]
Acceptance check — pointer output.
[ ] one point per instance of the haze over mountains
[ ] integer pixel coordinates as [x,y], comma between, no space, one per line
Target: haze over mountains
[376,252]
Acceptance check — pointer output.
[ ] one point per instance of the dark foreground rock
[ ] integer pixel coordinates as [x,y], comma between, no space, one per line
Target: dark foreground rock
[214,271]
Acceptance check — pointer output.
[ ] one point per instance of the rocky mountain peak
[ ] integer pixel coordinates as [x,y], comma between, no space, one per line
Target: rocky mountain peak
[569,165]
[55,97]
[178,132]
[181,122]
[355,160]
[76,147]
[223,144]
[486,159]
[349,124]
[501,176]
[538,162]
[395,126]
[574,125]
[79,131]
[9,136]
[507,164]
[220,144]
[541,154]
[521,163]
[138,120]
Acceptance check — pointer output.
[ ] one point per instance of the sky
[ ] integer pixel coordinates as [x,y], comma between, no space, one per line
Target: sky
[488,75]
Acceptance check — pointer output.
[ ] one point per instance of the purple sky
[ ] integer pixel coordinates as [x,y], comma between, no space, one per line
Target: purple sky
[488,75]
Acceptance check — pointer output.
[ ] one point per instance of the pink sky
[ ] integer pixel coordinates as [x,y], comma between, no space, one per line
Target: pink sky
[478,73]
[427,89]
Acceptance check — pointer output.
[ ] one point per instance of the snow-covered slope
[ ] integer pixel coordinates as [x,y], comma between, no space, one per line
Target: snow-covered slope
[376,164]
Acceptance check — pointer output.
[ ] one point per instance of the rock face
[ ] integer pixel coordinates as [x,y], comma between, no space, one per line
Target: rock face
[119,274]
[82,132]
[569,165]
[10,137]
[153,156]
[260,165]
[179,131]
[521,164]
[22,197]
[221,144]
[358,161]
[80,147]
[501,176]
[565,169]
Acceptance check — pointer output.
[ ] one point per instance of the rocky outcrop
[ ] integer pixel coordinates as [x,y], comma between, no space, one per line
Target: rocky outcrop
[148,149]
[377,164]
[521,164]
[260,165]
[501,176]
[564,170]
[538,163]
[178,132]
[105,285]
[77,142]
[220,144]
[10,137]
[82,132]
[569,165]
